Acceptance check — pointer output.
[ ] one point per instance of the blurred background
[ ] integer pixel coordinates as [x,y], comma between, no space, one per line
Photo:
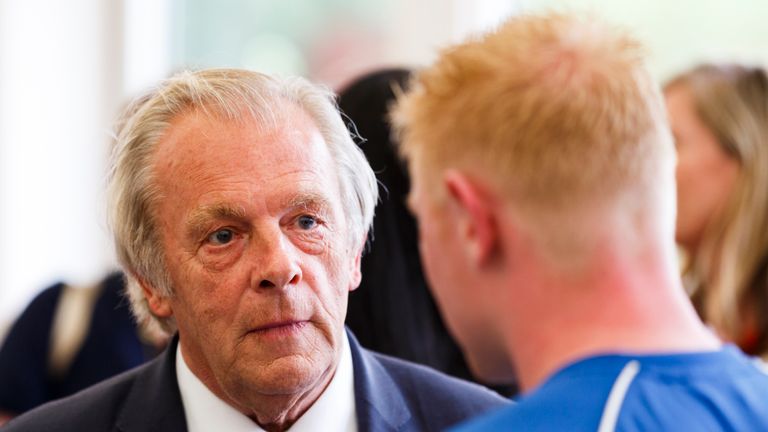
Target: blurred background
[66,68]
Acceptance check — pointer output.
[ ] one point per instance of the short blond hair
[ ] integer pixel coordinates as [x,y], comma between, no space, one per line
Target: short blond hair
[228,94]
[556,109]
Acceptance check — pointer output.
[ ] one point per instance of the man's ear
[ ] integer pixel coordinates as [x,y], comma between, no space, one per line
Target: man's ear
[477,221]
[158,304]
[357,275]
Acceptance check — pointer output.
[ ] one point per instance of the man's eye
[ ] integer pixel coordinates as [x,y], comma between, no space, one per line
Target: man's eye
[221,237]
[306,222]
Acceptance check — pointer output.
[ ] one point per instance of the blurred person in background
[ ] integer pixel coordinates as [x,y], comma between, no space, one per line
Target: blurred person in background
[393,311]
[719,119]
[69,338]
[543,170]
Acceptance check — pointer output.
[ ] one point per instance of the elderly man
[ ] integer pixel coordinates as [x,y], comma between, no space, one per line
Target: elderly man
[240,209]
[543,181]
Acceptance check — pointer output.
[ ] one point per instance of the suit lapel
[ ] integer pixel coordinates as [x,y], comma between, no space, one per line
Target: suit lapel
[379,403]
[154,402]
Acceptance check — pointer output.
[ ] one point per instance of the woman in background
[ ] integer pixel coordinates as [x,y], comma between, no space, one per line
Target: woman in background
[719,118]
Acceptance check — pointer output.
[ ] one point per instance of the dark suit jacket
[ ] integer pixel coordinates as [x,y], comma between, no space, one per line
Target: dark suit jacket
[390,395]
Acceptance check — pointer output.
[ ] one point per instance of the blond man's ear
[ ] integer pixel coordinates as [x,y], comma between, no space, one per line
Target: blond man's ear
[476,221]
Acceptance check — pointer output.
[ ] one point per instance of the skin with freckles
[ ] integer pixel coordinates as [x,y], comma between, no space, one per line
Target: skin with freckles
[254,236]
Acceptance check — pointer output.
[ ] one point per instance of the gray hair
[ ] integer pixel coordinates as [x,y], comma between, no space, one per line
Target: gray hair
[230,94]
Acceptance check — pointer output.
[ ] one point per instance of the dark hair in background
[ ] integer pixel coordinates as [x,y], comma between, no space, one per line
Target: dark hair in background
[393,311]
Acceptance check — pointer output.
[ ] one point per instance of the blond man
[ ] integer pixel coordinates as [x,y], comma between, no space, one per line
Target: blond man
[543,181]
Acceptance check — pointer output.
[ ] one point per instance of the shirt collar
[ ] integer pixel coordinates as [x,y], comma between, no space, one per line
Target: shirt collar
[333,410]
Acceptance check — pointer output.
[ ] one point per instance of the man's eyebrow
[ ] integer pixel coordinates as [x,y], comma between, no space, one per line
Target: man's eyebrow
[199,218]
[309,200]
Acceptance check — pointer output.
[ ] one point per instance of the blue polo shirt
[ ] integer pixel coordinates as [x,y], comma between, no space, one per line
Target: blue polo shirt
[706,391]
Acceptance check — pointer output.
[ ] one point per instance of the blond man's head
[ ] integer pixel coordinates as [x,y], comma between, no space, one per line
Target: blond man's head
[557,111]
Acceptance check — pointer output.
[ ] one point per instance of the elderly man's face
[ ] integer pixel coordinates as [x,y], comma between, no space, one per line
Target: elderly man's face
[258,249]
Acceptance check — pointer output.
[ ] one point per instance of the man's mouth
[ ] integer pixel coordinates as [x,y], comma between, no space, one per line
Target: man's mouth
[280,327]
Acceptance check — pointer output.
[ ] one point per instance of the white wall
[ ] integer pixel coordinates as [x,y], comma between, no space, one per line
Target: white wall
[147,27]
[62,82]
[54,113]
[425,27]
[681,33]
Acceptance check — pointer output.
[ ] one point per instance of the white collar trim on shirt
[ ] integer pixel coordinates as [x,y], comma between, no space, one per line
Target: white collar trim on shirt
[333,410]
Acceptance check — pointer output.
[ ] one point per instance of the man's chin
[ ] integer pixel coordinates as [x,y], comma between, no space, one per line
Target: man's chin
[282,376]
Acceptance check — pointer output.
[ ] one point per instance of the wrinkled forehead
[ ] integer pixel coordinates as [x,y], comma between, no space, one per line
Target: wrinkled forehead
[286,129]
[199,148]
[201,151]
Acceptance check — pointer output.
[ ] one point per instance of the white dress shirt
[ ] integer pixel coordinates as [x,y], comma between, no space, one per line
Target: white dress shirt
[334,410]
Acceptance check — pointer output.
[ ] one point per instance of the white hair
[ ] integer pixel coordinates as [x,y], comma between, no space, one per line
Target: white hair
[230,94]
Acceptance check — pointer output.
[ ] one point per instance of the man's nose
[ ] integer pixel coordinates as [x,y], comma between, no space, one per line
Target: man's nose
[277,265]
